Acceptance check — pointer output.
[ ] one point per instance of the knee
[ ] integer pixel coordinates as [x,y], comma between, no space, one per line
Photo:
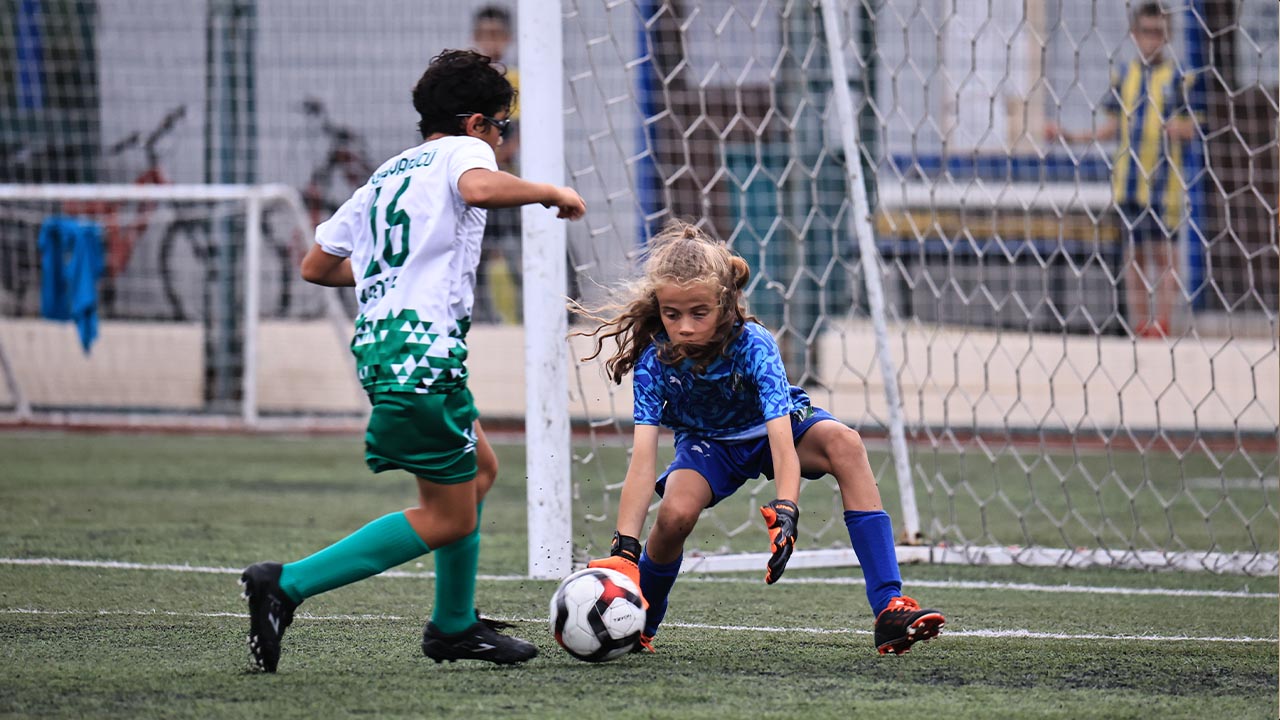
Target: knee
[454,527]
[455,532]
[847,459]
[438,526]
[848,445]
[674,523]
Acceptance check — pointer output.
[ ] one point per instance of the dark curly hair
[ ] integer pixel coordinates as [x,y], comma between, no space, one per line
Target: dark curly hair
[457,82]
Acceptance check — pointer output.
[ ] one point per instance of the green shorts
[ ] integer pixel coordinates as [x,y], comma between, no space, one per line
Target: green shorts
[431,436]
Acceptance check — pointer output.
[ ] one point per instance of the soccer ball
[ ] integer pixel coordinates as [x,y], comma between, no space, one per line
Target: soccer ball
[597,614]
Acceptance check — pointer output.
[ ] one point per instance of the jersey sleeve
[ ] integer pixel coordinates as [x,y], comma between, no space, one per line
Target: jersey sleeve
[764,362]
[469,156]
[646,386]
[337,235]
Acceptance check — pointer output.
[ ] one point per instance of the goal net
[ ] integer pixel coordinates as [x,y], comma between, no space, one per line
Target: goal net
[965,286]
[923,189]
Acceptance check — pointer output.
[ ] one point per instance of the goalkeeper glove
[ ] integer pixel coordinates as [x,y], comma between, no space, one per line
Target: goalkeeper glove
[781,517]
[624,556]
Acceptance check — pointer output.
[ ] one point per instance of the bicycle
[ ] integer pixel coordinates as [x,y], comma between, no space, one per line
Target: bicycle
[190,257]
[121,233]
[195,260]
[123,223]
[345,166]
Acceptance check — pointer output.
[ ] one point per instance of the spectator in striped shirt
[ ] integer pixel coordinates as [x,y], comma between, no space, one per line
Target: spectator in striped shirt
[1148,113]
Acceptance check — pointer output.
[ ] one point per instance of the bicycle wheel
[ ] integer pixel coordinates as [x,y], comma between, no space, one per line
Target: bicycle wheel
[185,270]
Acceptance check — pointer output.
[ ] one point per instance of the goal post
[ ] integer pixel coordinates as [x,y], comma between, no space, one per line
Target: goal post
[199,304]
[859,220]
[546,358]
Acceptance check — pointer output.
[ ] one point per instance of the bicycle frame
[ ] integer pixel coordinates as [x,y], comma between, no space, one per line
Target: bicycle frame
[120,238]
[344,159]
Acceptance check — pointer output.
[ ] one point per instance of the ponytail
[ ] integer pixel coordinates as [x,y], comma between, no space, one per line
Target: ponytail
[741,272]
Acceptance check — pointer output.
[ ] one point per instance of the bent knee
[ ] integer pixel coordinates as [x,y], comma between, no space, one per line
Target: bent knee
[675,523]
[453,532]
[854,438]
[846,444]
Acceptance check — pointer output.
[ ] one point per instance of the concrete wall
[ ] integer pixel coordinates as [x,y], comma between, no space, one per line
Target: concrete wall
[950,377]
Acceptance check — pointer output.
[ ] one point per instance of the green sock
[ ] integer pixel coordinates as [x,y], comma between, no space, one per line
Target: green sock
[384,543]
[455,608]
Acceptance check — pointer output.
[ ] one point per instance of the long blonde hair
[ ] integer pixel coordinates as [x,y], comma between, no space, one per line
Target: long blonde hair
[683,255]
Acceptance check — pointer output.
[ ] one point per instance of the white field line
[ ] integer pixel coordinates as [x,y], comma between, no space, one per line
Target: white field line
[1022,587]
[996,634]
[939,584]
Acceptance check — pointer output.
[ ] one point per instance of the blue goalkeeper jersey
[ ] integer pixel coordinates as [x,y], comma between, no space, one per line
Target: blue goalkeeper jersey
[732,400]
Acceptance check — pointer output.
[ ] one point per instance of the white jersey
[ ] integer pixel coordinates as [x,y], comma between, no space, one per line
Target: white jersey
[414,247]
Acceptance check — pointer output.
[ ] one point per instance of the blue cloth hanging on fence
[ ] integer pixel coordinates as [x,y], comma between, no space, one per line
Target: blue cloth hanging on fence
[71,263]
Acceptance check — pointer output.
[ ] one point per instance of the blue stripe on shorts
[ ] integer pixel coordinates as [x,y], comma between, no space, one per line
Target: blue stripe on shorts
[728,465]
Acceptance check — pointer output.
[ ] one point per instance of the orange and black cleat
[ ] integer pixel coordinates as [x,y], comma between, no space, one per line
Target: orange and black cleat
[903,623]
[645,645]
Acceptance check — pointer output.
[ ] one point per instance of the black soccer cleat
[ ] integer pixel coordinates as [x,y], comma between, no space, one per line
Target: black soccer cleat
[270,612]
[481,641]
[903,623]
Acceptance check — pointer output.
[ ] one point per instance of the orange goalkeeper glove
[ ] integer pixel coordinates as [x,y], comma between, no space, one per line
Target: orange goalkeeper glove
[781,517]
[624,556]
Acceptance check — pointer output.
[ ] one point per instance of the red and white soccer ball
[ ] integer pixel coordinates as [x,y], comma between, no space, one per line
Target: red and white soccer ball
[597,615]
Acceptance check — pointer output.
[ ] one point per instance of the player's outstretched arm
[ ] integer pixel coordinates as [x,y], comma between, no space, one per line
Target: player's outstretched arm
[786,463]
[633,506]
[637,487]
[321,268]
[782,515]
[488,189]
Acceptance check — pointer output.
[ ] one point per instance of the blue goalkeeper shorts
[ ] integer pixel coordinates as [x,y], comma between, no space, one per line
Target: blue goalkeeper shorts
[728,465]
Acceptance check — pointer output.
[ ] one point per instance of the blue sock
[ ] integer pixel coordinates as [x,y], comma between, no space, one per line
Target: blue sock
[871,532]
[655,583]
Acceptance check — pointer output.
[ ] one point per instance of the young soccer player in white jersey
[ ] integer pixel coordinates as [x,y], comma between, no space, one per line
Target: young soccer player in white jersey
[408,242]
[705,369]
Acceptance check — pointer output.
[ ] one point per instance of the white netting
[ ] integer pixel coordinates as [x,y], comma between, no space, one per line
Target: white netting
[1039,415]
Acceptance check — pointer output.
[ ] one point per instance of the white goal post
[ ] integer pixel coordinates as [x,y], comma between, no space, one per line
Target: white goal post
[546,358]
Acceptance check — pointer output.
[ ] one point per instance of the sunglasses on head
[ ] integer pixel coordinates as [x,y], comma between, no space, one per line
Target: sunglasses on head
[502,125]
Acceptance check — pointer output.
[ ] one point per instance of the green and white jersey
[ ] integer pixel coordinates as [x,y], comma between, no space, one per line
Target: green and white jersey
[414,247]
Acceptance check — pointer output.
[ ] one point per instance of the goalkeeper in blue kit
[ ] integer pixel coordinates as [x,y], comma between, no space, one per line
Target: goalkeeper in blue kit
[705,369]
